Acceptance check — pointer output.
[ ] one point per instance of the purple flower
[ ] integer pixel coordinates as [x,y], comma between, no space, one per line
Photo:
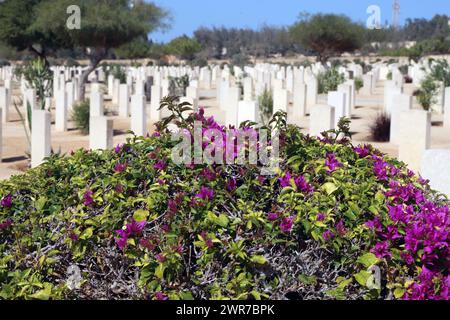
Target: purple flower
[286,224]
[285,181]
[6,224]
[208,174]
[327,235]
[205,193]
[160,165]
[231,184]
[321,217]
[381,250]
[161,296]
[160,258]
[120,167]
[374,224]
[303,185]
[7,201]
[272,216]
[88,201]
[340,228]
[121,243]
[362,151]
[73,236]
[331,162]
[156,134]
[118,148]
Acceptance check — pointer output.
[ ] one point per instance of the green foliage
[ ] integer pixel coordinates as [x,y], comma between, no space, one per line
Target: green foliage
[266,104]
[67,212]
[329,80]
[359,83]
[327,34]
[80,116]
[136,49]
[426,95]
[119,73]
[184,47]
[440,71]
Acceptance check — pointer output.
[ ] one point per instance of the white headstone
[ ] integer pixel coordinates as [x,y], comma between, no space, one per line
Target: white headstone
[435,167]
[40,136]
[96,104]
[322,119]
[414,137]
[124,100]
[4,103]
[337,100]
[61,111]
[401,102]
[248,110]
[138,115]
[100,133]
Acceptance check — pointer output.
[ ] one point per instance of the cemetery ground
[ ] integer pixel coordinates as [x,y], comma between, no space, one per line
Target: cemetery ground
[367,108]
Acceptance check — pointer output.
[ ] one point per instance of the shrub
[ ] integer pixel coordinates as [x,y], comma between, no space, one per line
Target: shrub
[80,116]
[138,226]
[426,95]
[359,83]
[330,80]
[440,71]
[380,129]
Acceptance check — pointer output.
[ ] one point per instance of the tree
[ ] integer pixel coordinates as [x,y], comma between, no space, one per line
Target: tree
[327,34]
[136,49]
[184,47]
[105,25]
[16,18]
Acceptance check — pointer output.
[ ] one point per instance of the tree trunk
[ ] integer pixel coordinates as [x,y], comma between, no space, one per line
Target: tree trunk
[94,59]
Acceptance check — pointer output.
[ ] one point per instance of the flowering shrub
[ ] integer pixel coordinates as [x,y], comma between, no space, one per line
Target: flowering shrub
[335,222]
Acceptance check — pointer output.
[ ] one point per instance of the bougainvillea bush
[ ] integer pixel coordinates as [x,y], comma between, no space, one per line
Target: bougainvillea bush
[336,221]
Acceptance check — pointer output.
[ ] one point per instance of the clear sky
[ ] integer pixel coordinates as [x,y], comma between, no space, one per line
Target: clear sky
[188,15]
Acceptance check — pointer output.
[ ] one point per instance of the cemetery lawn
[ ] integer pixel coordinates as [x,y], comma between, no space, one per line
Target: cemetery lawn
[337,221]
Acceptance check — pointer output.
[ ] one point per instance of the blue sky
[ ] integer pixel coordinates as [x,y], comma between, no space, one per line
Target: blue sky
[188,15]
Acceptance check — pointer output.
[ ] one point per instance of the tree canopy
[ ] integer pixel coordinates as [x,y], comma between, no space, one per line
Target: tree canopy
[184,47]
[327,34]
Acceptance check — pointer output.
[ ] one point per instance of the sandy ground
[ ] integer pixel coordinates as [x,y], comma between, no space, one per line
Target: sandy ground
[15,146]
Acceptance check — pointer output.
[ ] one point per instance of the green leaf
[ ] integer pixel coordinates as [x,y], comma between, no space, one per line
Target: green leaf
[362,277]
[141,215]
[159,271]
[329,188]
[399,292]
[259,259]
[222,220]
[86,234]
[43,294]
[368,260]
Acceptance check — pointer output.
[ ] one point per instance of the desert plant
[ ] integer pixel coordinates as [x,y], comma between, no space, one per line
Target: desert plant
[380,128]
[426,95]
[359,83]
[329,80]
[81,115]
[266,105]
[136,225]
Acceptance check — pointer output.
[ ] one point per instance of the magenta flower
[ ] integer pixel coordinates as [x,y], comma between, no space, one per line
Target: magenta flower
[331,162]
[156,134]
[160,165]
[272,216]
[205,193]
[231,184]
[286,224]
[381,250]
[374,224]
[285,181]
[120,167]
[88,200]
[303,185]
[73,237]
[7,201]
[362,151]
[321,217]
[121,243]
[340,228]
[6,224]
[160,258]
[327,235]
[118,148]
[161,296]
[208,174]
